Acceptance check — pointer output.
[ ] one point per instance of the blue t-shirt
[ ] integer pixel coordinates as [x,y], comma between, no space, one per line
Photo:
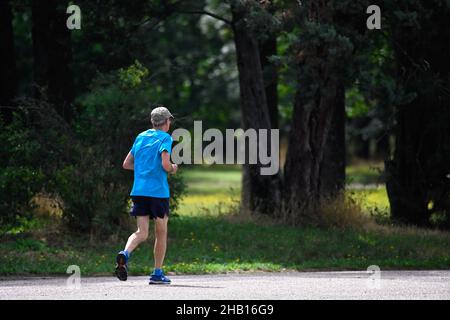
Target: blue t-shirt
[150,178]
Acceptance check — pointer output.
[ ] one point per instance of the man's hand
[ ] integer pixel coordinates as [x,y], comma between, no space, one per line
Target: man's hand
[174,168]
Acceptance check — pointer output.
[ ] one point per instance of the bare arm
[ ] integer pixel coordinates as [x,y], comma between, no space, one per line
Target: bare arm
[167,165]
[128,163]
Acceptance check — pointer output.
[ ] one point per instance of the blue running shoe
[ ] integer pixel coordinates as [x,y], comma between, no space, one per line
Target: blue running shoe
[158,277]
[121,266]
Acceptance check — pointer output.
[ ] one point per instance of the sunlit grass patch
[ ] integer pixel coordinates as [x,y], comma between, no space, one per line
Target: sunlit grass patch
[229,173]
[372,199]
[46,205]
[210,205]
[211,190]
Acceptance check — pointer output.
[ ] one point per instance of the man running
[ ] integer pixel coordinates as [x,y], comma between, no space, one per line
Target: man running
[150,159]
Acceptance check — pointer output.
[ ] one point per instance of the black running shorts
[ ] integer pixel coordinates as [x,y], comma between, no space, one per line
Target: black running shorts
[149,206]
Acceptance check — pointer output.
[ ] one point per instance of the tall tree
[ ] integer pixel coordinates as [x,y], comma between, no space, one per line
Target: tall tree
[52,53]
[8,76]
[332,172]
[268,47]
[329,39]
[418,184]
[260,193]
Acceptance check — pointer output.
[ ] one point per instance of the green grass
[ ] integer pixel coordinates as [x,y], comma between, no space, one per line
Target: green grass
[215,188]
[372,200]
[206,238]
[219,244]
[210,189]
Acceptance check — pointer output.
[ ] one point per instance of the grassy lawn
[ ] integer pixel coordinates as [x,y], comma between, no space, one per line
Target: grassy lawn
[210,190]
[219,244]
[213,189]
[207,237]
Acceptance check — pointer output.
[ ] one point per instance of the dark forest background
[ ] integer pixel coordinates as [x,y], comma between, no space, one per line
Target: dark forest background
[72,101]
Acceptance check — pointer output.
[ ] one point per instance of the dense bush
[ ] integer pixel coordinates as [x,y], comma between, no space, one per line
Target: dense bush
[114,112]
[80,164]
[21,168]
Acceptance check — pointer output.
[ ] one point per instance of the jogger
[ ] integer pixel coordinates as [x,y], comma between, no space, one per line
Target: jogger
[150,159]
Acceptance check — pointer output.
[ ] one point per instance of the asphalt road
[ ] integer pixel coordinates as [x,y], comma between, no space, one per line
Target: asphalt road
[255,286]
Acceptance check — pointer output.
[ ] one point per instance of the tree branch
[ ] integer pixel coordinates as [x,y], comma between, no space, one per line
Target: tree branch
[158,17]
[204,12]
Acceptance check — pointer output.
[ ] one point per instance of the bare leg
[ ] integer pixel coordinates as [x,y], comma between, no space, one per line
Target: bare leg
[140,235]
[160,241]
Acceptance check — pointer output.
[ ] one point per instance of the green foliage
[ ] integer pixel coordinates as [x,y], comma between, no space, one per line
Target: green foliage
[20,177]
[139,52]
[113,100]
[80,166]
[323,45]
[17,187]
[355,105]
[132,76]
[259,18]
[95,189]
[177,190]
[93,200]
[190,56]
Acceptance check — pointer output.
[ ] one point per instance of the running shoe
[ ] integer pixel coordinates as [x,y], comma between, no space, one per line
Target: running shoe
[121,266]
[159,278]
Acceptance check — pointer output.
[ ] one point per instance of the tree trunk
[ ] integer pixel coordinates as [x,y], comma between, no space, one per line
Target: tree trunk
[417,181]
[314,170]
[311,124]
[8,76]
[332,173]
[260,194]
[405,173]
[268,48]
[52,53]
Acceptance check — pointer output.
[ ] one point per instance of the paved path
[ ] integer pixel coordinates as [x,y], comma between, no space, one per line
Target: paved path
[255,286]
